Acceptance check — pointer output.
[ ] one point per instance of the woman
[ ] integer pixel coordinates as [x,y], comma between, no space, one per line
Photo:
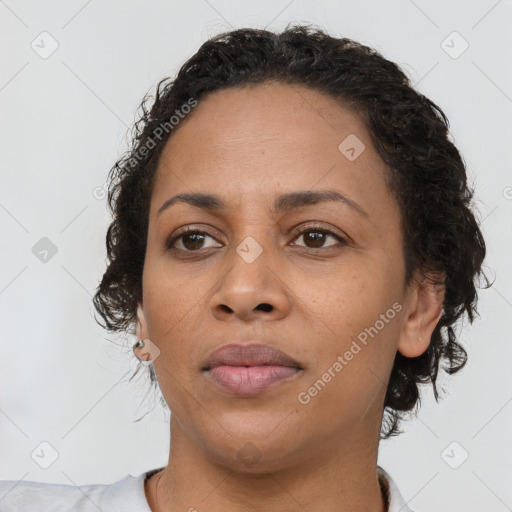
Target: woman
[293,242]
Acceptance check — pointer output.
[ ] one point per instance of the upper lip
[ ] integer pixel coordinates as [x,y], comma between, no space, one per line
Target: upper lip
[254,354]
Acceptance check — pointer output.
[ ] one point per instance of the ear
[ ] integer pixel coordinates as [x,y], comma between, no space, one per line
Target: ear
[423,310]
[141,328]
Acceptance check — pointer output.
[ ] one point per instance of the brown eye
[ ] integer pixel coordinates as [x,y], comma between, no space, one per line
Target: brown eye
[191,240]
[315,238]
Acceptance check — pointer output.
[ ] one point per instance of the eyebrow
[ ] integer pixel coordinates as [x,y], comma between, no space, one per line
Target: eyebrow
[284,203]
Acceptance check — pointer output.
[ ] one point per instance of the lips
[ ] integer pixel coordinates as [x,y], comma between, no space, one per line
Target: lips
[247,370]
[249,355]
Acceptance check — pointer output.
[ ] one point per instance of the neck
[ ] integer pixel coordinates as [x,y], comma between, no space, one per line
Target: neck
[341,477]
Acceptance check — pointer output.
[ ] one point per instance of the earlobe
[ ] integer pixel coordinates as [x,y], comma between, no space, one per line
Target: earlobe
[425,310]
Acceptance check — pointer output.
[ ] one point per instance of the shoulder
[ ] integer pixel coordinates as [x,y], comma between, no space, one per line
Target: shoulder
[16,496]
[124,495]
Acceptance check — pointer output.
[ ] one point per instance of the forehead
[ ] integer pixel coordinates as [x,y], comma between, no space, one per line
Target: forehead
[264,115]
[253,140]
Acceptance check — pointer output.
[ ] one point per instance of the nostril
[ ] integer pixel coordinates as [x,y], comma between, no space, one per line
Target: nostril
[265,307]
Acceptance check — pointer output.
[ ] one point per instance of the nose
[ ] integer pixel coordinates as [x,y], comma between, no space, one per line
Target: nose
[250,290]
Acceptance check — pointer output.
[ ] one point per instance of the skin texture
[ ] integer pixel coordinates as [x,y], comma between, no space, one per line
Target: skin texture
[250,145]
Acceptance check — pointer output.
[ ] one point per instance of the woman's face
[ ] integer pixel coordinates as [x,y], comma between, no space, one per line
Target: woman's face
[321,295]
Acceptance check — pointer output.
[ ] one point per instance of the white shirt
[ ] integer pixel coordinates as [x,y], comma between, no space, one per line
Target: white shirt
[126,495]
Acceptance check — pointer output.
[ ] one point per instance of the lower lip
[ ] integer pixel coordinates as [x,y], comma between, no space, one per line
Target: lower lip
[242,380]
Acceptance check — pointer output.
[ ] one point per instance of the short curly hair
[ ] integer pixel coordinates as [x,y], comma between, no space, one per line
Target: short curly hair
[425,173]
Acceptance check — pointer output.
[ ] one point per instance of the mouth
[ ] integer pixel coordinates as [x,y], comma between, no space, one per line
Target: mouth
[249,369]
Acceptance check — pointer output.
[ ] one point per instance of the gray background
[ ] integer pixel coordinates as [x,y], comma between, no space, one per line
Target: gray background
[65,117]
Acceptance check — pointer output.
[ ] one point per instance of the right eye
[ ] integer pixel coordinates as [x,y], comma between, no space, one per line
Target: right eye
[191,240]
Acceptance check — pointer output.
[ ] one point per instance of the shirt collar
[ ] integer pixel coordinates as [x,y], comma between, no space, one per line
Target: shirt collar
[130,490]
[395,501]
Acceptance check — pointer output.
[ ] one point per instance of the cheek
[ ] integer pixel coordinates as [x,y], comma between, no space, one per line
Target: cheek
[356,316]
[345,302]
[351,369]
[171,301]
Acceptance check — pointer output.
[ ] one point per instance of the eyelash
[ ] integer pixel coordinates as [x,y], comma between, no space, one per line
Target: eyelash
[308,229]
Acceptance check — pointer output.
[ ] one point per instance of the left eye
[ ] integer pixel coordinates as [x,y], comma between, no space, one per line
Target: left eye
[317,237]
